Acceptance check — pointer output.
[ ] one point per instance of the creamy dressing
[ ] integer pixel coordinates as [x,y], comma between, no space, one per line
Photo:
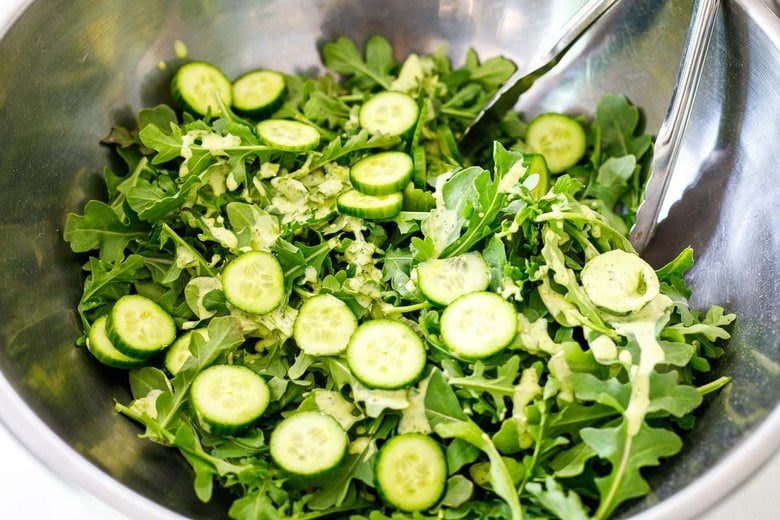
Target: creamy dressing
[524,393]
[510,182]
[333,403]
[378,400]
[643,328]
[413,418]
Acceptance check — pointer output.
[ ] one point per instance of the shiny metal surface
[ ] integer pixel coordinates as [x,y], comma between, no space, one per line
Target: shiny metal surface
[69,70]
[544,59]
[670,135]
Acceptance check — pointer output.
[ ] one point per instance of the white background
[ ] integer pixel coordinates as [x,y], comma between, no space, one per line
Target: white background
[29,491]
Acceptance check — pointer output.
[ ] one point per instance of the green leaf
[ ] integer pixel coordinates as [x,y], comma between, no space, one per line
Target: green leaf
[107,282]
[161,116]
[448,420]
[343,56]
[669,396]
[100,228]
[326,109]
[499,387]
[627,455]
[153,202]
[612,179]
[361,141]
[167,145]
[554,499]
[677,267]
[618,120]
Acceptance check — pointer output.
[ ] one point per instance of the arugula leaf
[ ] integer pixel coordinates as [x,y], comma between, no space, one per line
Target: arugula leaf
[627,455]
[448,420]
[100,228]
[343,56]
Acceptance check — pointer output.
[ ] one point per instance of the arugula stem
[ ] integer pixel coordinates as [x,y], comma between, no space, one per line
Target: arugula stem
[713,386]
[605,505]
[454,112]
[391,310]
[183,243]
[129,182]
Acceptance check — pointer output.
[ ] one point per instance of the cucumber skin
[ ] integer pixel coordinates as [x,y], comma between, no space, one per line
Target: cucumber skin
[180,98]
[406,132]
[378,461]
[126,362]
[554,165]
[219,428]
[378,386]
[240,305]
[312,474]
[480,356]
[371,189]
[265,110]
[353,211]
[132,350]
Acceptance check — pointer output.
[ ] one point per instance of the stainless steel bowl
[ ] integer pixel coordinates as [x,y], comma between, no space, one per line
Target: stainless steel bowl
[70,70]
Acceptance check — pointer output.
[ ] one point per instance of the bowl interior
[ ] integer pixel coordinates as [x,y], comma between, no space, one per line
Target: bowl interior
[71,70]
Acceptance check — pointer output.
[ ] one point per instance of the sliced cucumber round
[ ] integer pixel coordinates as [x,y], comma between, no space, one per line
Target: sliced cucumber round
[411,472]
[258,93]
[140,328]
[386,354]
[443,280]
[324,325]
[197,85]
[389,113]
[559,138]
[373,207]
[254,282]
[308,443]
[104,351]
[619,281]
[228,398]
[179,352]
[478,325]
[288,136]
[381,174]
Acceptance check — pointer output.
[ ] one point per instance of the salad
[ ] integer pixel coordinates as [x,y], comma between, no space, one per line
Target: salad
[328,310]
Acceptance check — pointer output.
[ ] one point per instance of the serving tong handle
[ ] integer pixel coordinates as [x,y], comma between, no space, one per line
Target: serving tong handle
[670,135]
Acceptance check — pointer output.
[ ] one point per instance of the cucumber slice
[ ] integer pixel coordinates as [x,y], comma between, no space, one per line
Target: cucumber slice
[381,174]
[535,164]
[619,281]
[389,113]
[373,207]
[478,325]
[442,281]
[386,354]
[104,351]
[254,282]
[411,472]
[179,352]
[308,443]
[324,325]
[139,328]
[258,93]
[228,398]
[196,85]
[288,136]
[559,138]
